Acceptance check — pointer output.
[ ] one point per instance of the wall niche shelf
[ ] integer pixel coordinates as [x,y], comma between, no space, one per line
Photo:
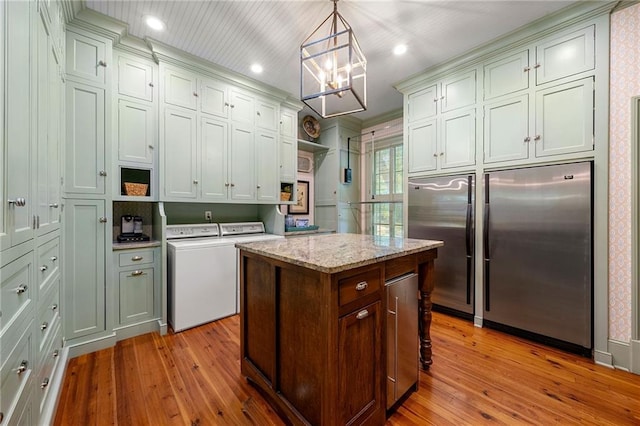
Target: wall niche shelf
[311,146]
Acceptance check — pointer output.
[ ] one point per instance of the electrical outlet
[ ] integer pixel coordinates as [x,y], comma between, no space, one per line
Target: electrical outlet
[207,215]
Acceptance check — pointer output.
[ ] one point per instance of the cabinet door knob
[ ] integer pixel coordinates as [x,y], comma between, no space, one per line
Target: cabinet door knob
[233,106]
[55,353]
[537,65]
[102,64]
[441,154]
[18,202]
[435,99]
[233,184]
[151,147]
[23,367]
[54,205]
[102,173]
[527,139]
[537,138]
[258,186]
[435,154]
[362,286]
[362,314]
[103,220]
[43,268]
[44,383]
[195,94]
[195,181]
[258,113]
[21,289]
[527,69]
[150,84]
[226,184]
[44,326]
[136,273]
[53,258]
[136,258]
[226,104]
[54,307]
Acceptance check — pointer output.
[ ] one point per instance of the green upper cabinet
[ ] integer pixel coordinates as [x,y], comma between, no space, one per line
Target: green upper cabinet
[180,88]
[421,104]
[267,115]
[135,78]
[422,144]
[288,145]
[85,171]
[506,129]
[242,107]
[136,132]
[267,167]
[214,98]
[288,123]
[88,57]
[564,119]
[507,74]
[19,205]
[180,153]
[242,173]
[565,54]
[214,151]
[458,91]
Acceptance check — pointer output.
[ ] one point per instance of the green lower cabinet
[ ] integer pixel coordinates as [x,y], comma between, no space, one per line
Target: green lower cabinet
[138,287]
[136,296]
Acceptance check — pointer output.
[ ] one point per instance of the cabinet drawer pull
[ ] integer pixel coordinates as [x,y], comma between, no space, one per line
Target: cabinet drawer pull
[53,205]
[21,289]
[43,268]
[55,353]
[136,258]
[54,306]
[103,220]
[18,202]
[136,273]
[44,326]
[362,286]
[23,367]
[102,173]
[362,314]
[53,258]
[44,383]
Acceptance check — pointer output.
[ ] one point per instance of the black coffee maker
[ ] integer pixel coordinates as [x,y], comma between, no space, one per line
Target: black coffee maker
[131,229]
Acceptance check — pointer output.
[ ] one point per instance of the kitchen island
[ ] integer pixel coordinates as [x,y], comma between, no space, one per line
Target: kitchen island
[312,322]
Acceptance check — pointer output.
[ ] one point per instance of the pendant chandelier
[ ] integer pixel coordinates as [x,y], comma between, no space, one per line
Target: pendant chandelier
[333,69]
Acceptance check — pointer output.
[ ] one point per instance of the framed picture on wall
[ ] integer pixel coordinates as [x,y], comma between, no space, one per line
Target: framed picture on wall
[302,206]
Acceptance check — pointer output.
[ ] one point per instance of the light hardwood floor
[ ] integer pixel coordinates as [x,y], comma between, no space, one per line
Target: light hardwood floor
[479,376]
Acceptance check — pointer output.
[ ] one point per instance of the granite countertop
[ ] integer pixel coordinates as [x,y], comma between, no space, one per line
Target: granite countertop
[331,253]
[135,245]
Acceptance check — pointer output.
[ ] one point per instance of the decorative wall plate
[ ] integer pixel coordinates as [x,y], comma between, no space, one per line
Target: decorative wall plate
[311,126]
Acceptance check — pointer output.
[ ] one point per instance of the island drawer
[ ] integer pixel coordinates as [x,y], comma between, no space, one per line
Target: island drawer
[359,285]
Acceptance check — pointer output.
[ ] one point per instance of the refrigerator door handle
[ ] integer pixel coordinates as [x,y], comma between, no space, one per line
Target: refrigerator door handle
[487,257]
[469,254]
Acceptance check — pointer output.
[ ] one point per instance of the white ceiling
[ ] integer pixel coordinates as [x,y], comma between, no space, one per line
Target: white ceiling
[236,34]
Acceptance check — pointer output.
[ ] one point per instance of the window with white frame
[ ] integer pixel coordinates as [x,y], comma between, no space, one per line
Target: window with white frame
[388,183]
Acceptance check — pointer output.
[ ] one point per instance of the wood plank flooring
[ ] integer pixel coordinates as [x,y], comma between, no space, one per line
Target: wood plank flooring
[479,376]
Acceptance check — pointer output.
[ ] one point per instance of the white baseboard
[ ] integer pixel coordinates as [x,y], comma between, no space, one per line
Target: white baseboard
[477,321]
[92,345]
[635,356]
[621,353]
[127,332]
[603,358]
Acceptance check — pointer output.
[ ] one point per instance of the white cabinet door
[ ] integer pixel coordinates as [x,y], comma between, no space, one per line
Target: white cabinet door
[267,170]
[422,104]
[288,123]
[507,74]
[242,163]
[43,92]
[288,159]
[85,145]
[214,98]
[458,139]
[422,146]
[84,266]
[214,140]
[242,108]
[87,57]
[506,130]
[327,176]
[267,114]
[17,127]
[135,78]
[458,91]
[180,88]
[56,126]
[180,154]
[565,55]
[136,132]
[564,118]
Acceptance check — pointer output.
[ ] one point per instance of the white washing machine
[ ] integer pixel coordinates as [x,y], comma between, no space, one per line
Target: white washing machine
[244,232]
[201,275]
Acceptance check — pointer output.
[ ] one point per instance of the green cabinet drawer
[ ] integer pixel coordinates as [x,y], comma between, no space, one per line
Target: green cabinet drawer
[137,257]
[15,372]
[47,365]
[48,262]
[17,291]
[48,315]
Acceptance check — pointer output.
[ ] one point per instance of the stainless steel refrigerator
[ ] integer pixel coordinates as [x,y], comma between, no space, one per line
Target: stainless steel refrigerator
[537,247]
[442,208]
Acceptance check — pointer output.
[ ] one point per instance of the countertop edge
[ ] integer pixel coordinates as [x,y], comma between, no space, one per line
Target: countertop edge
[336,269]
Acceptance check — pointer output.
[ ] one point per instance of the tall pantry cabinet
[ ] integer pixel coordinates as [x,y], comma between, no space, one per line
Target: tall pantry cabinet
[32,52]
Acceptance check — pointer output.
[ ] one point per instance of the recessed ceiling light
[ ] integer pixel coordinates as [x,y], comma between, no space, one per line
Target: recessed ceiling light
[400,49]
[256,68]
[154,23]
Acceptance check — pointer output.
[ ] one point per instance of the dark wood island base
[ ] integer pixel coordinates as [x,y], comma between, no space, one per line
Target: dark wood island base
[313,336]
